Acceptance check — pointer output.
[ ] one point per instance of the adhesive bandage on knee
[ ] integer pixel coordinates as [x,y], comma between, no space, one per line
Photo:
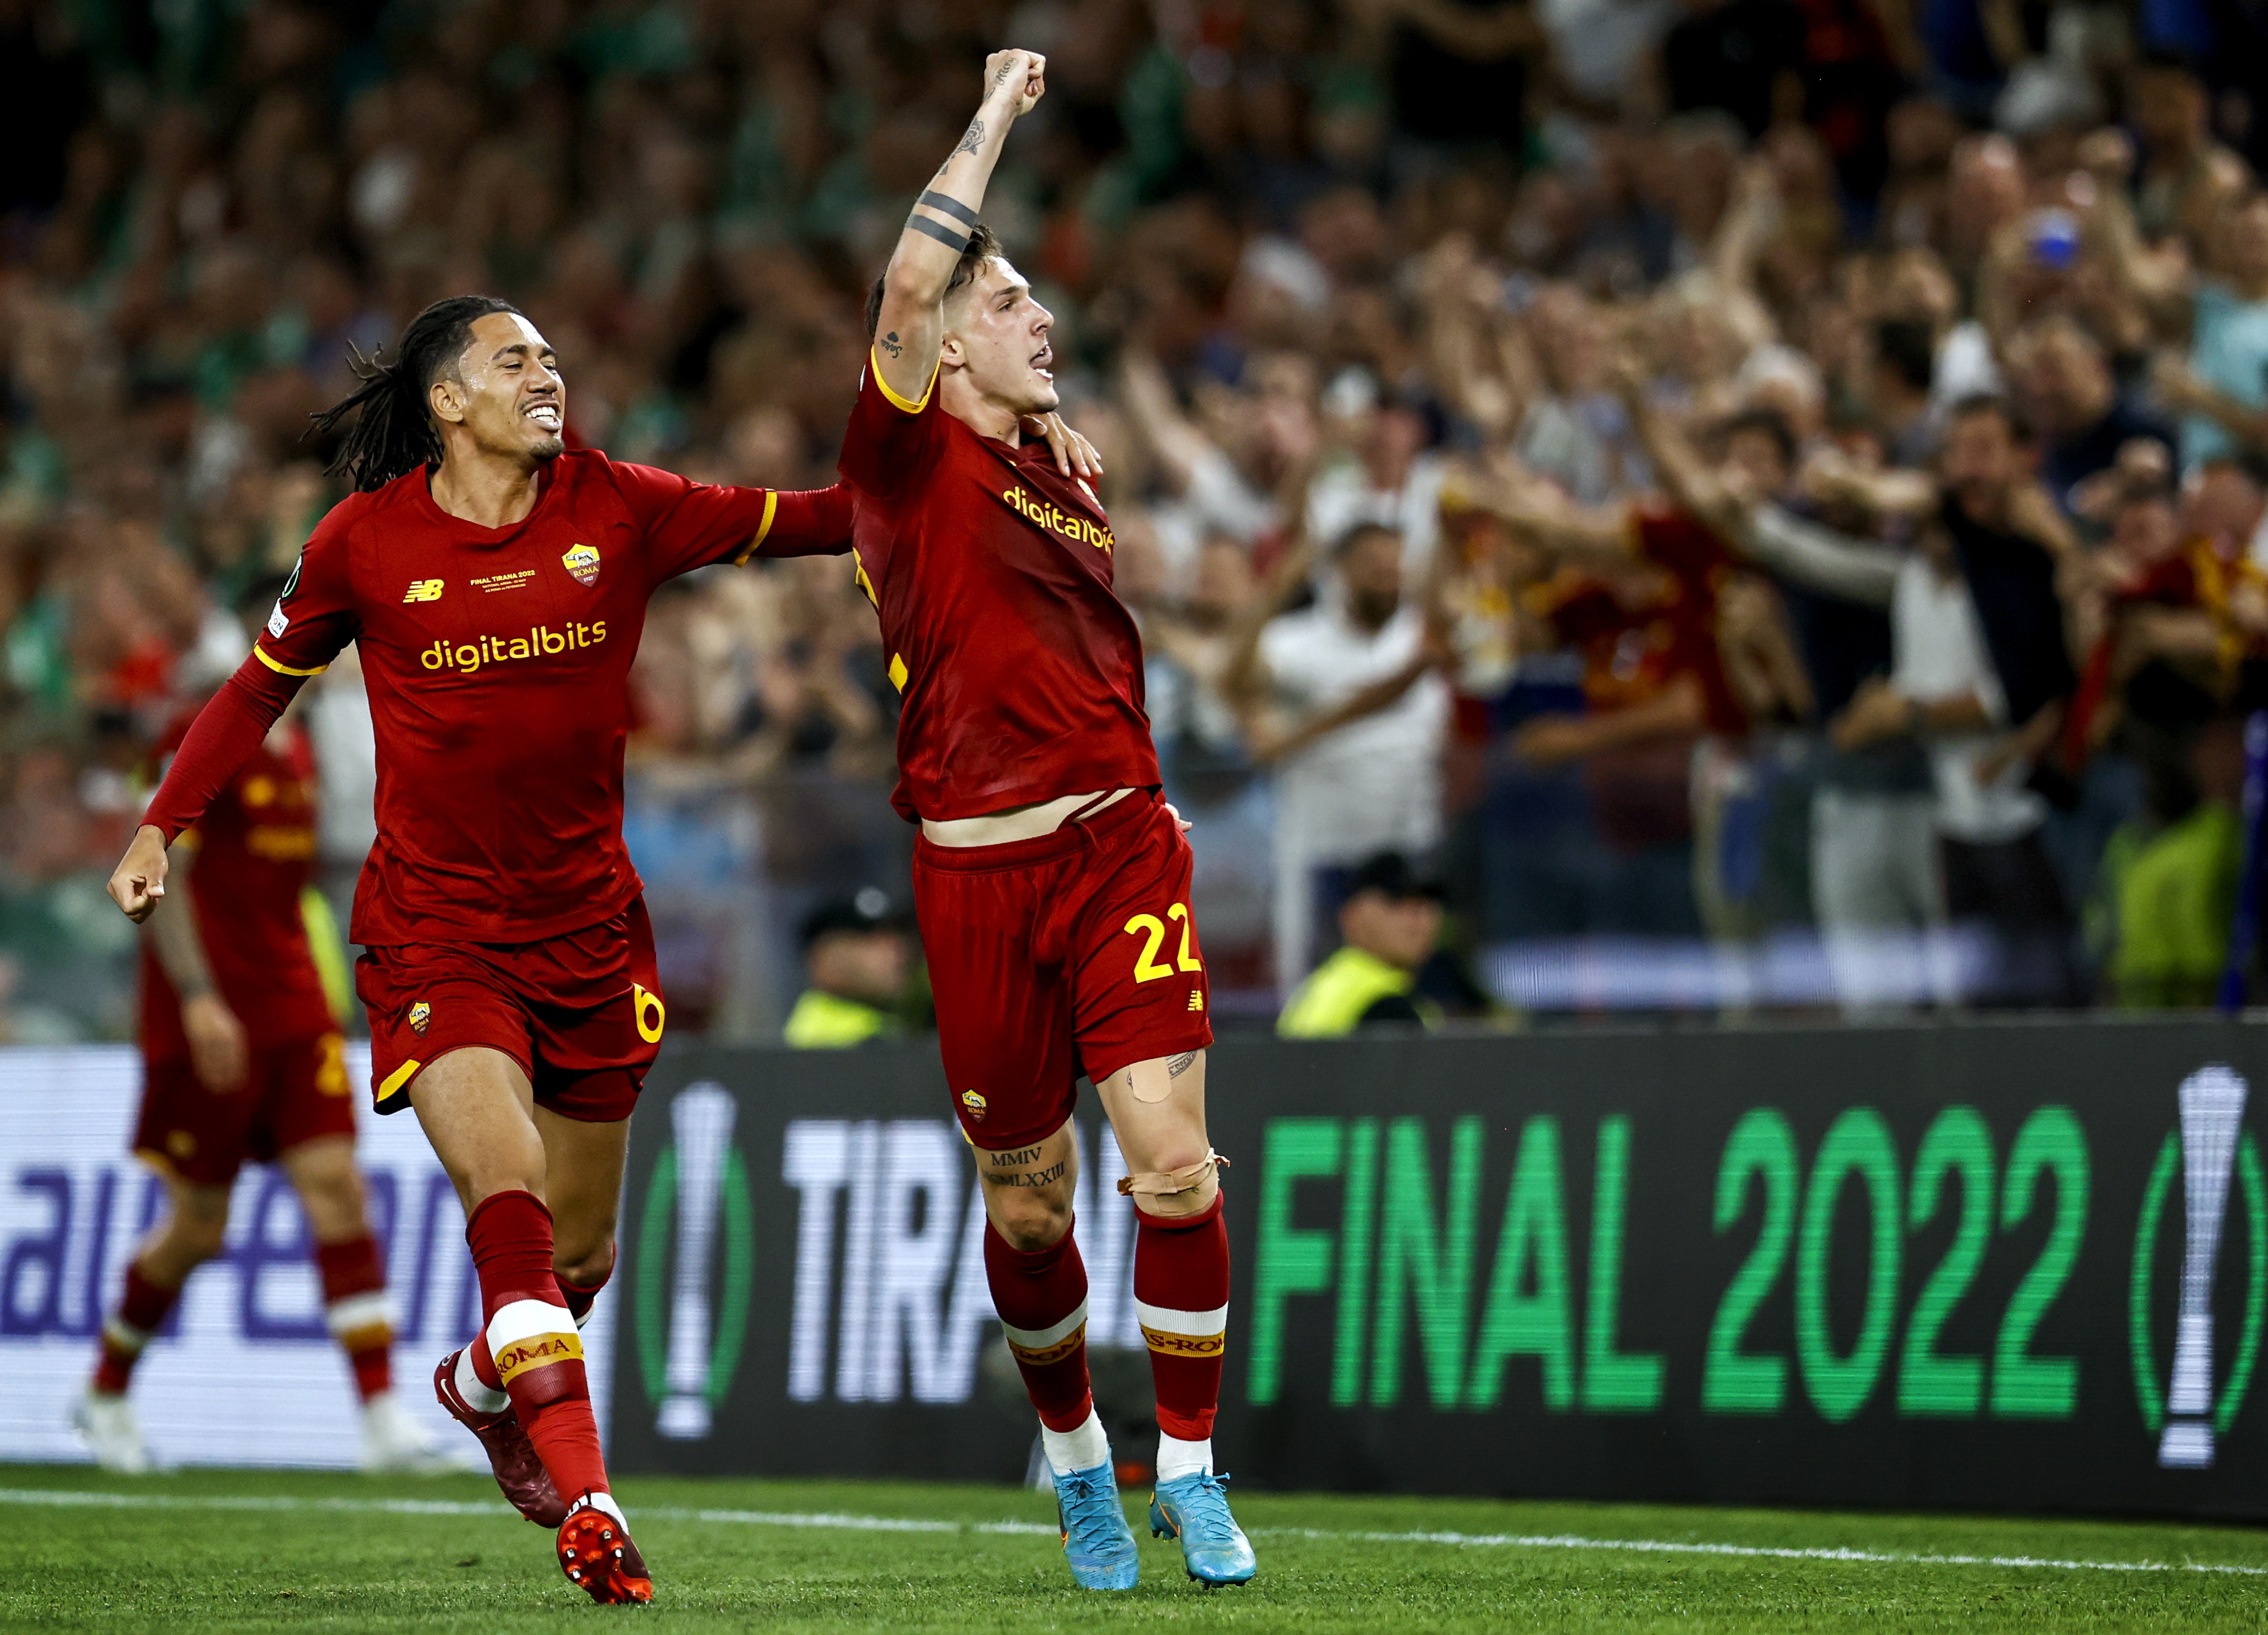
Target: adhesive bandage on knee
[1172,1183]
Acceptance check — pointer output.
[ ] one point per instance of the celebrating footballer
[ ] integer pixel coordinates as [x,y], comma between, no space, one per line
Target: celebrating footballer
[496,584]
[1052,881]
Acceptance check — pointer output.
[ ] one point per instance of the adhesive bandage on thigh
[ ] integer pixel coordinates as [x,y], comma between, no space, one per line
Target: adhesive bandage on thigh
[1172,1183]
[1183,1333]
[1039,1347]
[531,1334]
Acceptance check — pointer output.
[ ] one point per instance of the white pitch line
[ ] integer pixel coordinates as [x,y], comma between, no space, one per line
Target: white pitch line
[840,1522]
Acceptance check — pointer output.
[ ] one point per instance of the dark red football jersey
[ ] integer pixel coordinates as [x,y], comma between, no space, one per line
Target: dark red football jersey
[255,847]
[497,662]
[1021,667]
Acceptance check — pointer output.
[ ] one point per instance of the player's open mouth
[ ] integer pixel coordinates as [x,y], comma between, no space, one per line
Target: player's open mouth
[544,415]
[1042,362]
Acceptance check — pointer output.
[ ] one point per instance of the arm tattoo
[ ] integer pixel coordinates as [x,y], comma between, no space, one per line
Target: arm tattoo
[891,344]
[945,204]
[955,241]
[1180,1065]
[971,140]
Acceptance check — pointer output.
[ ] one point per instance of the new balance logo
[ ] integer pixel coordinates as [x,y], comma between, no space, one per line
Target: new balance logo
[423,590]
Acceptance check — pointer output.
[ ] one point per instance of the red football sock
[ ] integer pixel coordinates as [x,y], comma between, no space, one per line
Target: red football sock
[1181,1290]
[1040,1295]
[354,1303]
[142,1309]
[579,1296]
[532,1343]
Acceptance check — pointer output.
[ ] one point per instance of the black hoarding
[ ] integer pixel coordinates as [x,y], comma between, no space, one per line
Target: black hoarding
[2016,1265]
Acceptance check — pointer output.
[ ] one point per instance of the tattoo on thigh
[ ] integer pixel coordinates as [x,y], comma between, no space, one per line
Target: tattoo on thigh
[1180,1065]
[1016,1159]
[1045,1177]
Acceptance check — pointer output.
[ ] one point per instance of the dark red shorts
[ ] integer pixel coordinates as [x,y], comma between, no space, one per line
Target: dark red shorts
[582,1013]
[291,1093]
[1072,952]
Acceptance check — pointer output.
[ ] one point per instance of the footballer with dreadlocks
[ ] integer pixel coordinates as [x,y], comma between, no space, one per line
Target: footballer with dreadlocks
[495,583]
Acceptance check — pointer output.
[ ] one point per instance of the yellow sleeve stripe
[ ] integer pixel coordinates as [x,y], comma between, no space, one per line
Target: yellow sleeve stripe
[771,506]
[874,362]
[283,669]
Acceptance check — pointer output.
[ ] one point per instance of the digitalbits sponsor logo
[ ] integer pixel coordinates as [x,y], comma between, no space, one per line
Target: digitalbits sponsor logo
[2211,1148]
[693,1281]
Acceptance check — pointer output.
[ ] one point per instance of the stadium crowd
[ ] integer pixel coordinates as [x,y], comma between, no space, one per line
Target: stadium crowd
[1759,501]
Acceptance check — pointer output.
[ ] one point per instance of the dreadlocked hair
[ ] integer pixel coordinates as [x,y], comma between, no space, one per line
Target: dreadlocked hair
[394,433]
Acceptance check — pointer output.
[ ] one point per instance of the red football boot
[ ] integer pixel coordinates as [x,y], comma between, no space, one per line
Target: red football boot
[595,1552]
[518,1472]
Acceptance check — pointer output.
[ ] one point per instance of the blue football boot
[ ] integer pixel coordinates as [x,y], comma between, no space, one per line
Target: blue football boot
[1096,1540]
[1194,1510]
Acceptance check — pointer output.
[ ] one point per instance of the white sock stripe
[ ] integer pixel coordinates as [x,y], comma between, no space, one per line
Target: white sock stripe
[523,1319]
[479,1396]
[1040,1339]
[369,1310]
[124,1334]
[1198,1324]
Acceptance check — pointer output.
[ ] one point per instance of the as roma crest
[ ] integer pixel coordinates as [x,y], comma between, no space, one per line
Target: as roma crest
[974,1101]
[583,563]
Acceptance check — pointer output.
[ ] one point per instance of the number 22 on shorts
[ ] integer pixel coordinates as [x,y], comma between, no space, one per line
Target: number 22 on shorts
[1146,968]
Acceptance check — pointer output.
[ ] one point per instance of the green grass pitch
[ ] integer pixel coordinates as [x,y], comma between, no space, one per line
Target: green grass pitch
[210,1551]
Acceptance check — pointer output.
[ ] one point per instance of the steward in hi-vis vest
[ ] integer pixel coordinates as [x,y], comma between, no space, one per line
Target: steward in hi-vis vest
[858,954]
[1390,921]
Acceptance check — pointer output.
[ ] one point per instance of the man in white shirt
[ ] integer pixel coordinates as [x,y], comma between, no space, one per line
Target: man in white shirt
[1357,763]
[1944,690]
